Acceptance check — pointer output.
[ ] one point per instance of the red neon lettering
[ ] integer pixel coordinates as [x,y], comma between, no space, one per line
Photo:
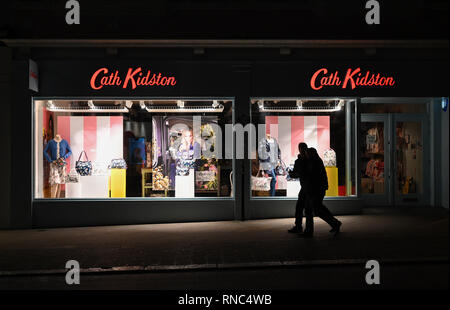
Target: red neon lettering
[353,78]
[349,77]
[130,76]
[94,76]
[314,77]
[134,77]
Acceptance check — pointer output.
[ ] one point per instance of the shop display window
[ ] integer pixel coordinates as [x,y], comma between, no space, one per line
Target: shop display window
[104,149]
[327,125]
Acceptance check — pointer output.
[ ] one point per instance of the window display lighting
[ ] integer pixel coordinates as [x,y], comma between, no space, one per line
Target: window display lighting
[215,107]
[203,109]
[90,108]
[301,107]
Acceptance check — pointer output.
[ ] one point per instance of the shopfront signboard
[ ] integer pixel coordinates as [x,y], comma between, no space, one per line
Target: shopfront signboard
[353,78]
[135,77]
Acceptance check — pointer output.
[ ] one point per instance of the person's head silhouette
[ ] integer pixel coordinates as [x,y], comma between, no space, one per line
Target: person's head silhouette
[303,149]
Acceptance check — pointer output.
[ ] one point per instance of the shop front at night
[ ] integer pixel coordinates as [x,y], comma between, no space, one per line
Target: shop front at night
[156,138]
[168,124]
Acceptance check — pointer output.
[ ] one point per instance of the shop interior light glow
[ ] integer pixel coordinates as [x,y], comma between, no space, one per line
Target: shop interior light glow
[444,103]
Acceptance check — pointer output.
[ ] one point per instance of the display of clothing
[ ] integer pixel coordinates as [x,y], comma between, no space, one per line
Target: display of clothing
[374,141]
[269,153]
[186,159]
[57,174]
[57,150]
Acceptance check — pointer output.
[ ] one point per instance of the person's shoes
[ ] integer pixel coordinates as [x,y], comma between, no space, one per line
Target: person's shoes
[336,229]
[295,230]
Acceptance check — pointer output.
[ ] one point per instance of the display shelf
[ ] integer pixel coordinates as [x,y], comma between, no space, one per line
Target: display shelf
[146,185]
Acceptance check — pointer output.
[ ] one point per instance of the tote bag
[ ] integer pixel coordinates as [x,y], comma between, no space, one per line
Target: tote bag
[83,168]
[260,183]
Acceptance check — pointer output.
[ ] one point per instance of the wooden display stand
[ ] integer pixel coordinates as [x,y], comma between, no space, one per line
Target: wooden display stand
[200,190]
[146,185]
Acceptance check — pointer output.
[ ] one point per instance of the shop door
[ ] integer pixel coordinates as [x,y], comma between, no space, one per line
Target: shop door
[375,160]
[394,154]
[411,184]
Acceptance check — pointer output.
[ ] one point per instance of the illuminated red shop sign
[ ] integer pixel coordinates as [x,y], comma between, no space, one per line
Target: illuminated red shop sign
[352,79]
[133,78]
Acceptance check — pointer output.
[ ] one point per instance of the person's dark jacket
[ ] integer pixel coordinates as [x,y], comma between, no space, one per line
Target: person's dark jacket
[319,178]
[302,170]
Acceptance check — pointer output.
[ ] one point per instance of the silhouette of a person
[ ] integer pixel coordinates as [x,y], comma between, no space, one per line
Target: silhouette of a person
[318,186]
[302,171]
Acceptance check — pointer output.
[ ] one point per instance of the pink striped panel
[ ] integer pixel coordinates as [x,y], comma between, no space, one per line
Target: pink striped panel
[297,128]
[323,134]
[272,126]
[90,136]
[116,136]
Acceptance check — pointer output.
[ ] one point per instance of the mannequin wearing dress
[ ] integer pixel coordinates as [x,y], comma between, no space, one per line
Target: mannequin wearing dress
[57,149]
[269,147]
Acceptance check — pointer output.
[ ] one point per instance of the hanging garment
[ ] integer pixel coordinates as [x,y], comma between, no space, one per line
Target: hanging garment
[373,141]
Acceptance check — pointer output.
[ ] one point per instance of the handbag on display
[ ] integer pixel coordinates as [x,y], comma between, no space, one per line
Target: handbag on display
[280,169]
[329,158]
[260,183]
[73,176]
[83,168]
[118,163]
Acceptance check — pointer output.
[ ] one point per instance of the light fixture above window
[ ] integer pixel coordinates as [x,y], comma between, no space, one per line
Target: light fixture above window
[301,105]
[182,106]
[89,107]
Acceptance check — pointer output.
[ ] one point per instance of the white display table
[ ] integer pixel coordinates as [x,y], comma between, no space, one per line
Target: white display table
[184,185]
[293,188]
[94,186]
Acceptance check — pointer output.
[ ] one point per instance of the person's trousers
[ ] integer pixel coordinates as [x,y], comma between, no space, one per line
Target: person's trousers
[304,204]
[321,211]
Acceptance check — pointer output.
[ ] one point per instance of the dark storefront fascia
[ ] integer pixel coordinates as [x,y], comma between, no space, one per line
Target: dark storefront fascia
[196,79]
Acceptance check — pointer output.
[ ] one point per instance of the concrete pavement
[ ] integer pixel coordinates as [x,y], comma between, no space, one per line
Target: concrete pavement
[386,234]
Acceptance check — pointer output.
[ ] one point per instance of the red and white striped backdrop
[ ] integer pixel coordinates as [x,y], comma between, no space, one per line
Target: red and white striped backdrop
[101,137]
[291,130]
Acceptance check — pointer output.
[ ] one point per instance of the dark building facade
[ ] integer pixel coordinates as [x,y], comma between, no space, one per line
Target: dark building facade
[160,110]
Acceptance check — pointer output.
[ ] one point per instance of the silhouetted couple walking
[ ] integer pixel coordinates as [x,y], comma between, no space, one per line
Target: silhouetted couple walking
[310,170]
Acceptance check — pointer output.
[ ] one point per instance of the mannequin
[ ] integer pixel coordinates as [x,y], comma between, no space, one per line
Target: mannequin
[269,150]
[56,152]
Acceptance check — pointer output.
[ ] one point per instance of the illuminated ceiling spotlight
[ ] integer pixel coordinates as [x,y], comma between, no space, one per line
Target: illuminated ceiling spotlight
[142,104]
[299,104]
[261,104]
[128,104]
[180,103]
[339,104]
[215,104]
[50,104]
[91,105]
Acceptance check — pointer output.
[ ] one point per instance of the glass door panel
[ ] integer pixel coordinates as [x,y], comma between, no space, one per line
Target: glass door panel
[374,154]
[410,156]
